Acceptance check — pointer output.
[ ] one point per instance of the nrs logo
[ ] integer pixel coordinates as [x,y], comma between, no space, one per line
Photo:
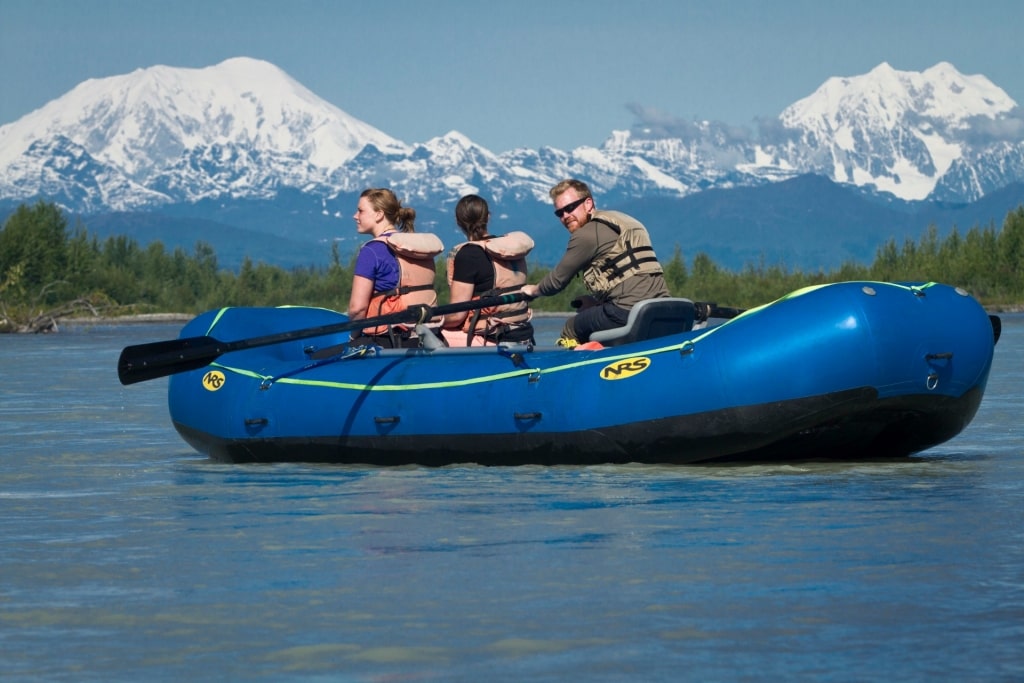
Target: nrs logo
[625,368]
[213,380]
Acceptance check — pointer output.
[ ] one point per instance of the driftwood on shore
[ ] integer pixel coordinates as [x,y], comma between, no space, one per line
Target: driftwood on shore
[45,322]
[77,312]
[129,319]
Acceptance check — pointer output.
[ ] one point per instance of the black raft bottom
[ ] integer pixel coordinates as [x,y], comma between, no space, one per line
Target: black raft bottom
[848,425]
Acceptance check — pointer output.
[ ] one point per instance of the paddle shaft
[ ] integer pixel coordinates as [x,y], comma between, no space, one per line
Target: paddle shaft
[142,362]
[707,309]
[724,312]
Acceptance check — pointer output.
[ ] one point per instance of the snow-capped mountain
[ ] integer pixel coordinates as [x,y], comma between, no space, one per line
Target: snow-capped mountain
[244,128]
[897,131]
[189,141]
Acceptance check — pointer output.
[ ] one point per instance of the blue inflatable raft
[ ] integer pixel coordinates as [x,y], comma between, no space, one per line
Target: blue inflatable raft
[854,370]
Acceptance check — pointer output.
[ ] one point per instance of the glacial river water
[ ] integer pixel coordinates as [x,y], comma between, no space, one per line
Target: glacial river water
[125,556]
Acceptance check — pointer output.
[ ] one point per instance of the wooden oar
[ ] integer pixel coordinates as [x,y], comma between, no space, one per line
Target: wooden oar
[142,362]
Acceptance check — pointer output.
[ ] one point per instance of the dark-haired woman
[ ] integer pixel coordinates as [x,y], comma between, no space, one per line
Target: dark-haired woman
[486,265]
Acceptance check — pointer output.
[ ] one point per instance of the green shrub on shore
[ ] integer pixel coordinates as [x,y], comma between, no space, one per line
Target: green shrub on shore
[47,269]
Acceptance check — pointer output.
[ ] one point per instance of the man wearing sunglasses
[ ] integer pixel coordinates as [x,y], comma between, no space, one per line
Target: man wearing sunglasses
[613,252]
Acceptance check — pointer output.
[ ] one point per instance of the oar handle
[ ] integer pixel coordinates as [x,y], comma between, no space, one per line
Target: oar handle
[706,309]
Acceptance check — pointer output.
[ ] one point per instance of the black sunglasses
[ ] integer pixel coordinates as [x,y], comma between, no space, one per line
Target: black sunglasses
[570,207]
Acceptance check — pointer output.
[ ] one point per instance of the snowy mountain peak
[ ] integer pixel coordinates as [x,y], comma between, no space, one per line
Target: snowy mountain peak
[896,131]
[142,120]
[885,94]
[245,129]
[455,146]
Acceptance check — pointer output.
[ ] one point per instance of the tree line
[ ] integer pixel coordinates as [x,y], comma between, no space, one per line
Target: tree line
[47,267]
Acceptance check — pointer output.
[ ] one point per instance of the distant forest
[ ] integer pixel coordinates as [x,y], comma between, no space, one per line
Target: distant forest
[50,269]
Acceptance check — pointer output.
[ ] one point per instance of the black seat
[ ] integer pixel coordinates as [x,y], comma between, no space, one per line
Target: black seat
[649,319]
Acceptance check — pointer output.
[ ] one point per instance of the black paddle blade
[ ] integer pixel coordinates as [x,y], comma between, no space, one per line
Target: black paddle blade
[160,359]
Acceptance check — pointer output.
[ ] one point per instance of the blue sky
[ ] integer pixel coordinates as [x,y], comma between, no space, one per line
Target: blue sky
[522,73]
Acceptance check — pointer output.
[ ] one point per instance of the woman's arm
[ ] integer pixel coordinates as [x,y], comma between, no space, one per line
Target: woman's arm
[359,301]
[460,291]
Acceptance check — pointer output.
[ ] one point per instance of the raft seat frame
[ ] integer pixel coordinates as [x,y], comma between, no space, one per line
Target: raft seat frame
[649,319]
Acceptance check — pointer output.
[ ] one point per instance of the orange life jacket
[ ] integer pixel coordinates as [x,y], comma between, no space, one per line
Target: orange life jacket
[415,252]
[507,255]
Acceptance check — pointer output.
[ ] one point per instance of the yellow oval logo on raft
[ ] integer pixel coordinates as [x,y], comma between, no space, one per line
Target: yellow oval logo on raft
[621,369]
[213,380]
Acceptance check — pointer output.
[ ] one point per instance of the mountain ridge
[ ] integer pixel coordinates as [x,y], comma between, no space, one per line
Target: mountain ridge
[221,141]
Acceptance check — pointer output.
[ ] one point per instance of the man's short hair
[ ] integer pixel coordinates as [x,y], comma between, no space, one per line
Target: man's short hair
[582,191]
